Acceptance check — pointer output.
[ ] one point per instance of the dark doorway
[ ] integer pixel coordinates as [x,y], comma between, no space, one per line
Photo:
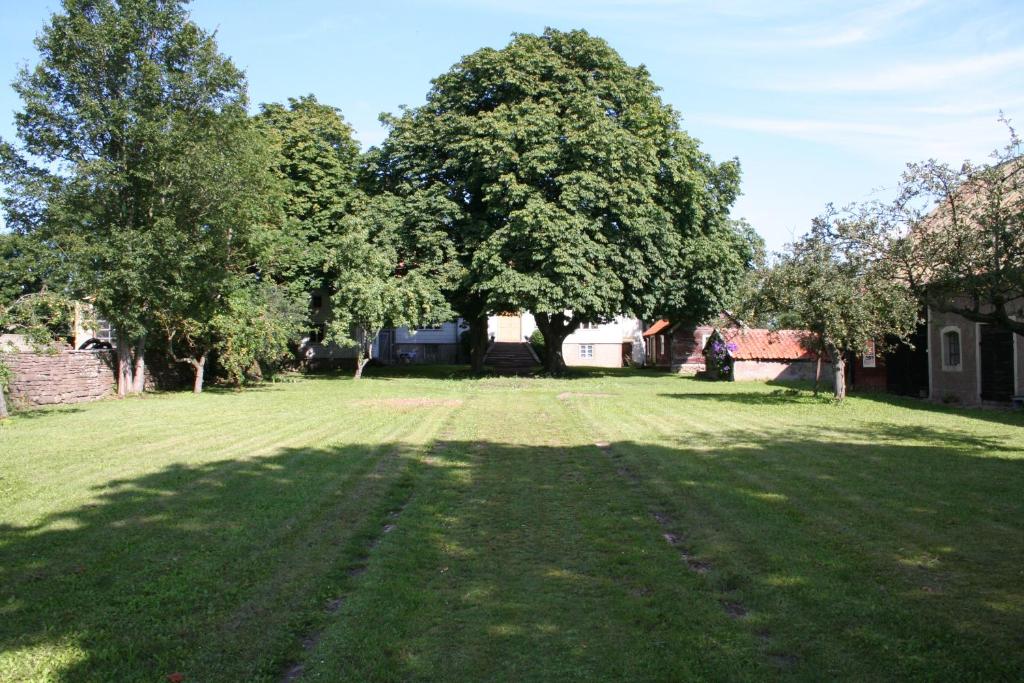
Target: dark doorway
[386,345]
[995,349]
[906,364]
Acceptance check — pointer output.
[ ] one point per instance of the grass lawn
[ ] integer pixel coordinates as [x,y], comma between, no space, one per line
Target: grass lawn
[429,526]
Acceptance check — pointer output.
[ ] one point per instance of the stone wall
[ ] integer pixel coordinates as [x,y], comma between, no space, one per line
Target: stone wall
[781,370]
[66,377]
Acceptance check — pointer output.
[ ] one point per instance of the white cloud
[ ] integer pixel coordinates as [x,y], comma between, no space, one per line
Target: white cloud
[860,26]
[950,141]
[903,77]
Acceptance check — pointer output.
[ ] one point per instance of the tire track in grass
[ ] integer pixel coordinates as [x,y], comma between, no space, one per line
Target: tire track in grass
[295,669]
[671,534]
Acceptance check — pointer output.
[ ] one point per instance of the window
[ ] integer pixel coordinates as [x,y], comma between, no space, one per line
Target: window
[104,331]
[951,357]
[586,350]
[588,326]
[428,328]
[661,344]
[868,359]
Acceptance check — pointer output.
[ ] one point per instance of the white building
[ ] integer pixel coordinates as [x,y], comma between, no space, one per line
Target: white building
[596,345]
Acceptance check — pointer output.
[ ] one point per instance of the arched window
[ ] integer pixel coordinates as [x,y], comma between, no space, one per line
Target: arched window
[951,356]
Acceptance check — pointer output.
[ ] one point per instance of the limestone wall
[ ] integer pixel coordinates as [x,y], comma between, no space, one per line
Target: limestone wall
[66,377]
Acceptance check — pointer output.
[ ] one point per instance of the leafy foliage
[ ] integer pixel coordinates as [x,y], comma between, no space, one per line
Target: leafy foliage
[41,318]
[563,182]
[959,236]
[383,278]
[844,294]
[108,112]
[319,163]
[255,327]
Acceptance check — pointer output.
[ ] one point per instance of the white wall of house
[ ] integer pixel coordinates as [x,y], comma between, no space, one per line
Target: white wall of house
[597,346]
[447,333]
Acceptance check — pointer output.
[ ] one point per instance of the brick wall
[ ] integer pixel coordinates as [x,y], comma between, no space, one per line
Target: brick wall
[66,377]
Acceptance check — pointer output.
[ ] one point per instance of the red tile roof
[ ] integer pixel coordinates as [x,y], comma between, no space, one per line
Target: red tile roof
[761,344]
[656,328]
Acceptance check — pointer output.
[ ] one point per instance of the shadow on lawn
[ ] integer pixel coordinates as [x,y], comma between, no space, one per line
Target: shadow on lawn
[217,569]
[800,394]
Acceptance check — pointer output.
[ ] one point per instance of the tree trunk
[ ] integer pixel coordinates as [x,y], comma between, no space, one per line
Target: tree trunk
[477,342]
[555,327]
[3,405]
[365,351]
[838,373]
[199,366]
[361,361]
[817,374]
[124,366]
[139,370]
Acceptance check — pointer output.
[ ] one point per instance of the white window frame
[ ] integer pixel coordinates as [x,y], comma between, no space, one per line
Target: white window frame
[944,348]
[868,358]
[586,351]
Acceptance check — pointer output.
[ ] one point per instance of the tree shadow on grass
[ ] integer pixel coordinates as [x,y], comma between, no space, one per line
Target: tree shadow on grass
[220,569]
[854,559]
[36,412]
[799,393]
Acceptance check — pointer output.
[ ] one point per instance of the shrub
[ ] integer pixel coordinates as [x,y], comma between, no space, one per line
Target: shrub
[537,342]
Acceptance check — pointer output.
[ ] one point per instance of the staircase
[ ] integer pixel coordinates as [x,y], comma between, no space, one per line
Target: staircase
[511,358]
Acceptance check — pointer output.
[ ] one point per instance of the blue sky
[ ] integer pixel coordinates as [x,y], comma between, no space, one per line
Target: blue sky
[821,101]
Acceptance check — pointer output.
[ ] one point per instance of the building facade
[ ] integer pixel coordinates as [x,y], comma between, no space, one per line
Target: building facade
[604,345]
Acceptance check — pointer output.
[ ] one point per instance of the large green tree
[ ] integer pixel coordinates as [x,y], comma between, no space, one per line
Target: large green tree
[319,161]
[99,175]
[566,187]
[219,249]
[843,293]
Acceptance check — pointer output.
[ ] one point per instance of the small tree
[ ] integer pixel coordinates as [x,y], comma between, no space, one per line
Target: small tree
[842,293]
[43,318]
[383,277]
[959,236]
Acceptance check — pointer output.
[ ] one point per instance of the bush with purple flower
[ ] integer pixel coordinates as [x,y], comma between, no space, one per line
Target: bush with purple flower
[718,360]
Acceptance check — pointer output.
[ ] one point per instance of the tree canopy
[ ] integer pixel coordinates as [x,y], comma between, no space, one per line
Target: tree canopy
[99,176]
[959,236]
[566,187]
[844,294]
[319,161]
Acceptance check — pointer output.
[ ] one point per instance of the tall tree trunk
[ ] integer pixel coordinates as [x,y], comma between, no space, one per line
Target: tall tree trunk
[3,405]
[364,353]
[555,327]
[838,373]
[139,370]
[817,374]
[361,361]
[477,342]
[199,366]
[124,365]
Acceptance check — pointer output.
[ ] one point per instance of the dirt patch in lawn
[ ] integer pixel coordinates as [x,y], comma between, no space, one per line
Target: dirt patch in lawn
[566,395]
[410,403]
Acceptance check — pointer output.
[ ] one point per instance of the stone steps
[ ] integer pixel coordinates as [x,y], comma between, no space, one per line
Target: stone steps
[511,358]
